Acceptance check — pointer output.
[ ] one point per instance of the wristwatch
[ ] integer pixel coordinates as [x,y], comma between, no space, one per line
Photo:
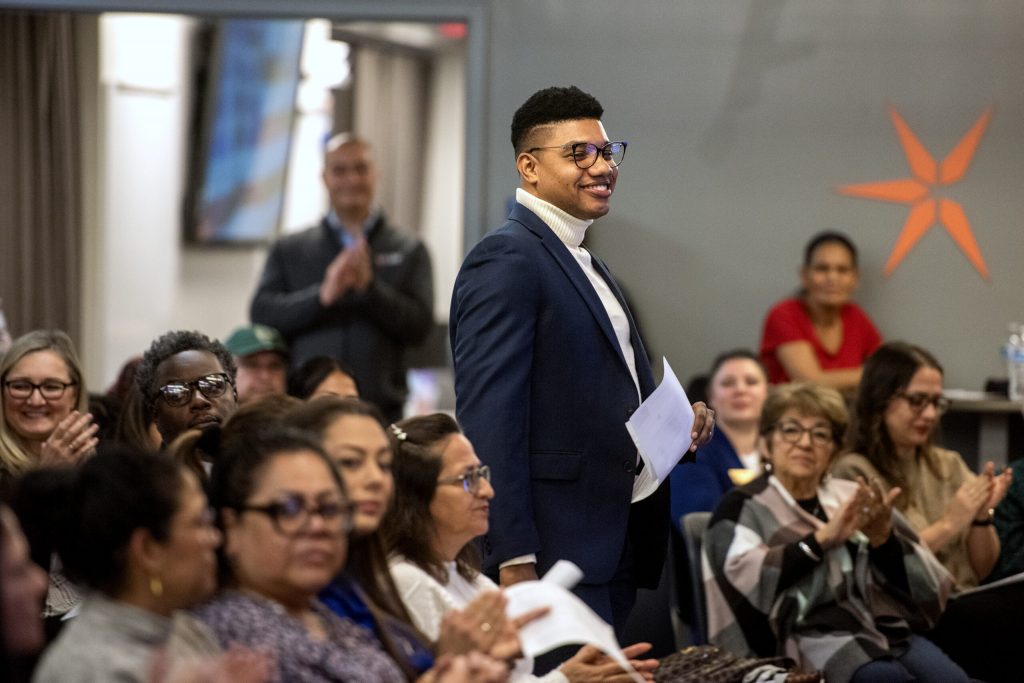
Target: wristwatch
[987,520]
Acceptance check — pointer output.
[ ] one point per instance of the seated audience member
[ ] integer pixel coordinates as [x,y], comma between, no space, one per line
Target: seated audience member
[187,381]
[896,413]
[286,520]
[44,406]
[322,376]
[820,569]
[820,335]
[351,432]
[1009,523]
[736,391]
[134,428]
[44,423]
[135,529]
[262,359]
[442,500]
[22,588]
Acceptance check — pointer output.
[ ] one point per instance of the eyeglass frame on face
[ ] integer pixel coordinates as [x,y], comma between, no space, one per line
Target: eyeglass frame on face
[595,153]
[275,510]
[919,400]
[63,389]
[821,441]
[470,479]
[193,386]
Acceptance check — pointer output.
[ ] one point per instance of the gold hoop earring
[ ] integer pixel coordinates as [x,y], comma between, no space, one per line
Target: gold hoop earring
[156,586]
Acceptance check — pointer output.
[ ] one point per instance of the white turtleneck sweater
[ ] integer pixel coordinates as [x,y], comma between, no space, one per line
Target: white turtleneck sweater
[571,231]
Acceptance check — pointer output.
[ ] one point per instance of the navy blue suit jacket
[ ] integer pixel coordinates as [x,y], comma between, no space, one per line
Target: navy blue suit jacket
[543,393]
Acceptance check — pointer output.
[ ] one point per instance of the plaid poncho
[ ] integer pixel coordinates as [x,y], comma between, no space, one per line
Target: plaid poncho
[766,596]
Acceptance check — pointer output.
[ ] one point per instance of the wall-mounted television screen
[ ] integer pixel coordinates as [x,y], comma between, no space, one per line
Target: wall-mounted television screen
[249,73]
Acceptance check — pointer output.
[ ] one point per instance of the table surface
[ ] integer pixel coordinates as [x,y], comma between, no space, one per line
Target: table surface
[981,402]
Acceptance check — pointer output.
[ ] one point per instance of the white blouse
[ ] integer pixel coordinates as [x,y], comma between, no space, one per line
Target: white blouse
[428,601]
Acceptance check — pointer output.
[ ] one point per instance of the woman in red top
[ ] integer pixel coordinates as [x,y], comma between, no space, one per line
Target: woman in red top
[820,335]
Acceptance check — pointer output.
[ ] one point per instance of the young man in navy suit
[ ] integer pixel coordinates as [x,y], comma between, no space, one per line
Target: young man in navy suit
[549,366]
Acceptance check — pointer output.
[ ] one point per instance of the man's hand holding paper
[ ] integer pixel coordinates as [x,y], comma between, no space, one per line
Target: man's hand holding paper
[666,429]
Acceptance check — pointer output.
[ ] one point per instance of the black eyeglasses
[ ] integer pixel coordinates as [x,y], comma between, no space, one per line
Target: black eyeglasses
[177,394]
[585,154]
[49,389]
[791,432]
[290,515]
[918,401]
[470,481]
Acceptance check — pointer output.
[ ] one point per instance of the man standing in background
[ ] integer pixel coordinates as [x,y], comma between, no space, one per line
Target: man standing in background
[352,288]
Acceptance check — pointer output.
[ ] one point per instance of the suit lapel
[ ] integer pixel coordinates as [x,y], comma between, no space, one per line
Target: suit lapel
[572,270]
[643,367]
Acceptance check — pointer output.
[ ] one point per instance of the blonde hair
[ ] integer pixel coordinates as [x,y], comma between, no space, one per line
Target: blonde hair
[14,454]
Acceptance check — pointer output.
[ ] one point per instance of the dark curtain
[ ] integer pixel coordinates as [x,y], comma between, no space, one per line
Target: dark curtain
[40,199]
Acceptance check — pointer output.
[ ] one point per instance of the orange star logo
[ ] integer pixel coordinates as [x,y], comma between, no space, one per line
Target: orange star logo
[921,192]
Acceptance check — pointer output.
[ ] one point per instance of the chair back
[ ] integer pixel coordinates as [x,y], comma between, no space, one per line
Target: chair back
[689,580]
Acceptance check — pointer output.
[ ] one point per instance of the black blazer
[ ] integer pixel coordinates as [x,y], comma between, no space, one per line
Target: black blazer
[368,331]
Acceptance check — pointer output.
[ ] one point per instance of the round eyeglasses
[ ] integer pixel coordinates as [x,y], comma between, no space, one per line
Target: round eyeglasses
[177,394]
[918,401]
[791,432]
[585,154]
[470,480]
[49,389]
[291,514]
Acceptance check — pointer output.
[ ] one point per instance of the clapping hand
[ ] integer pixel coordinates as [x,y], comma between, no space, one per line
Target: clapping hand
[351,269]
[876,512]
[970,500]
[1000,484]
[73,439]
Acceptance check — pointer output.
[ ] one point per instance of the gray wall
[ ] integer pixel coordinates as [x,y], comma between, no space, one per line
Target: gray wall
[742,118]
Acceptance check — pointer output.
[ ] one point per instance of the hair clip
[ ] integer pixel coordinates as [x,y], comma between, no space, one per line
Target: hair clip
[399,434]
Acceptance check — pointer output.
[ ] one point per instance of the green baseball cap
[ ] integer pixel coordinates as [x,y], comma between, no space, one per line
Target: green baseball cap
[250,339]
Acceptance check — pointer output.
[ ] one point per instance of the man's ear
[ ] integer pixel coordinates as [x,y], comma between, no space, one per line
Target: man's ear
[526,164]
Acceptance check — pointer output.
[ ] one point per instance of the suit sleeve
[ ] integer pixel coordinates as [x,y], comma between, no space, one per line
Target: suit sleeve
[405,312]
[494,314]
[274,304]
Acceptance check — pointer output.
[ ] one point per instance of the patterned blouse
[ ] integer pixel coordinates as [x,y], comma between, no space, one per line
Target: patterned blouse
[832,612]
[349,653]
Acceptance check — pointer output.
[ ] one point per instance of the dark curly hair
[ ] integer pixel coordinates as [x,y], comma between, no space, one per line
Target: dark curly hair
[173,343]
[551,105]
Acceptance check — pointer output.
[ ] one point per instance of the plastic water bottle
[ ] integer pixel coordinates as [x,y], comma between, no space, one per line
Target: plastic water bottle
[5,334]
[1013,352]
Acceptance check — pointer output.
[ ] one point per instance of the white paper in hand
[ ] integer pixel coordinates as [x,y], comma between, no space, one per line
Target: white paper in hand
[570,621]
[661,429]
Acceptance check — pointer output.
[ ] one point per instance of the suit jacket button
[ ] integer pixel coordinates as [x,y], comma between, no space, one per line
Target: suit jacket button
[627,466]
[629,412]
